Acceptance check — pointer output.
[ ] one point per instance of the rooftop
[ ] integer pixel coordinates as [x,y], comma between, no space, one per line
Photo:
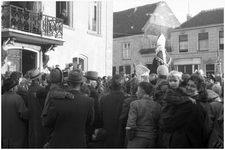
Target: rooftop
[131,21]
[204,18]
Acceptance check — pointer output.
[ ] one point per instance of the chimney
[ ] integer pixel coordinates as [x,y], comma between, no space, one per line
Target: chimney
[188,15]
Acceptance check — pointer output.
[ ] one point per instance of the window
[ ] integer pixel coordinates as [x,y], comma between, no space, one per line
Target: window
[203,41]
[81,59]
[185,68]
[183,43]
[210,69]
[126,51]
[94,20]
[64,11]
[120,69]
[114,70]
[221,42]
[127,69]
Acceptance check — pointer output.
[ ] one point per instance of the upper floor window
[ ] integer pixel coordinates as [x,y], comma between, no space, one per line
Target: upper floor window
[221,42]
[203,41]
[94,18]
[183,43]
[64,11]
[126,51]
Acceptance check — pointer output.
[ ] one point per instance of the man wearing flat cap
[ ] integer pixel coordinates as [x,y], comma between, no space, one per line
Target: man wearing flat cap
[70,116]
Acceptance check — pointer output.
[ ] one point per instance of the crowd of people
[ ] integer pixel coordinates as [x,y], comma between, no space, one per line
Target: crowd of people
[76,110]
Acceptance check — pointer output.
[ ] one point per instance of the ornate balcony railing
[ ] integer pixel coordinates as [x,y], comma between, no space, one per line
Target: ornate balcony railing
[28,21]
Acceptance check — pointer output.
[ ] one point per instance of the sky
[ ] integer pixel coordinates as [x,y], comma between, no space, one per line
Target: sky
[178,7]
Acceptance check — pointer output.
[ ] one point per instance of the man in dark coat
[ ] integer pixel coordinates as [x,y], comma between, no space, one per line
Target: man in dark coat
[14,117]
[110,111]
[38,135]
[68,117]
[126,106]
[92,77]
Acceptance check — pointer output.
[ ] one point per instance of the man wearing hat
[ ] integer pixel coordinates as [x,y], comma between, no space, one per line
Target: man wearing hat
[110,111]
[92,77]
[14,117]
[70,116]
[37,133]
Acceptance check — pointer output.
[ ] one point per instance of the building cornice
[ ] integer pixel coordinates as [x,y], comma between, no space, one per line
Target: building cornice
[198,27]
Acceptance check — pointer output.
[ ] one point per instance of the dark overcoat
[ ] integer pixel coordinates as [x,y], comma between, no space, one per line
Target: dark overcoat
[38,135]
[110,111]
[185,126]
[14,121]
[68,119]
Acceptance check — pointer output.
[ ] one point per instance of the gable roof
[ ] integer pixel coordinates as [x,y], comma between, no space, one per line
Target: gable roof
[205,17]
[131,21]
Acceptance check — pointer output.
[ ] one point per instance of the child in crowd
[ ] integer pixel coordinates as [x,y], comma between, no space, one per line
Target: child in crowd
[98,139]
[173,97]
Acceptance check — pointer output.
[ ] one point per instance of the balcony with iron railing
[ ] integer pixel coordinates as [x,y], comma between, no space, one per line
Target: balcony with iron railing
[31,23]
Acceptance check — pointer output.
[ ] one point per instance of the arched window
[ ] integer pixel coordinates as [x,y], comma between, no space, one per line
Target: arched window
[81,59]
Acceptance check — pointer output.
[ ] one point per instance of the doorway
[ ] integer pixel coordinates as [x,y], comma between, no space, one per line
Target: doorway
[29,60]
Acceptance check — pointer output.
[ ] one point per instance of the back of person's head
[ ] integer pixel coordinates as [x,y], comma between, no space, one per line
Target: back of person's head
[16,75]
[134,85]
[147,87]
[84,89]
[153,77]
[162,70]
[217,89]
[116,82]
[56,75]
[176,74]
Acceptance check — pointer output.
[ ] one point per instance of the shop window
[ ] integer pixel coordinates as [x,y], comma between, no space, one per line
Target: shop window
[126,51]
[203,41]
[183,43]
[185,68]
[64,11]
[120,69]
[128,69]
[94,19]
[210,69]
[221,40]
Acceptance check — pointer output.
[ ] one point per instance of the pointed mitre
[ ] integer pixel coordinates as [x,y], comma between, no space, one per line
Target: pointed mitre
[161,41]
